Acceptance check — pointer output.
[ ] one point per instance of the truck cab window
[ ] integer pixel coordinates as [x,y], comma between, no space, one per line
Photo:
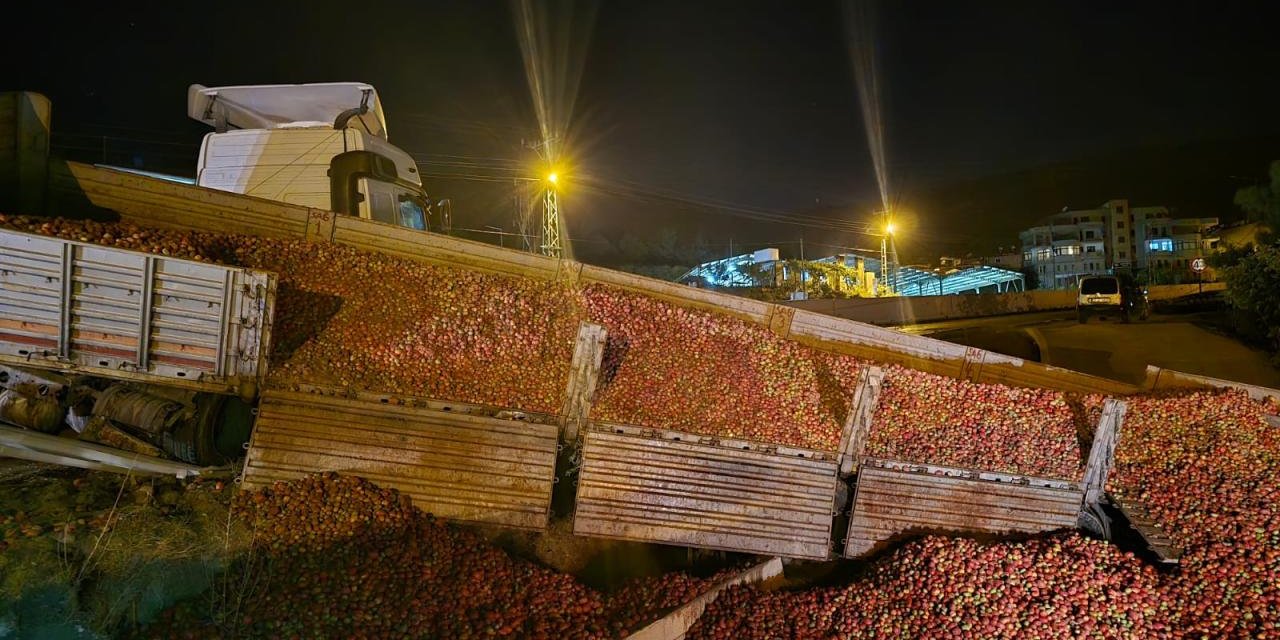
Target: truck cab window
[382,207]
[377,201]
[412,215]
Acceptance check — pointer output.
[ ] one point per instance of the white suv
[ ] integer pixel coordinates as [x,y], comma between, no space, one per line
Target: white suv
[1110,295]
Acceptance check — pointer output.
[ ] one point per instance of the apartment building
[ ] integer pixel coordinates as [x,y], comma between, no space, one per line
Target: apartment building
[1112,237]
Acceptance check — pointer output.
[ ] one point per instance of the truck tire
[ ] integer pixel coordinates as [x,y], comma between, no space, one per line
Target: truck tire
[215,435]
[1082,317]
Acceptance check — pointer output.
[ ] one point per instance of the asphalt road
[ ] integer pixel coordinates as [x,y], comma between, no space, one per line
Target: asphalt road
[1111,349]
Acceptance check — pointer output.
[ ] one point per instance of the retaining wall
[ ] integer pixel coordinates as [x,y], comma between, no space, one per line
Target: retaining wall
[914,309]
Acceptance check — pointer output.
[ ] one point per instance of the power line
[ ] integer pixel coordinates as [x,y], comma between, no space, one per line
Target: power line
[739,211]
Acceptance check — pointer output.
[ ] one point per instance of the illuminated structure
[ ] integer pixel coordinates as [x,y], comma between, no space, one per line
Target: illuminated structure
[735,271]
[978,279]
[763,268]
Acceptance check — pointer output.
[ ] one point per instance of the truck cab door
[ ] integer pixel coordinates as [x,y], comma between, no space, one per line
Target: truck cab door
[378,201]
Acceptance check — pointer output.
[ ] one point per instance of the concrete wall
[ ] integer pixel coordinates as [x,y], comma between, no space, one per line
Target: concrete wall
[908,310]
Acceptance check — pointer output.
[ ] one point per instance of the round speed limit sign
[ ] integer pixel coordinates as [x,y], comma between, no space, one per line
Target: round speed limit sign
[1197,264]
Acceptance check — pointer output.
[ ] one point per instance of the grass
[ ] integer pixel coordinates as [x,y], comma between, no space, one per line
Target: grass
[88,554]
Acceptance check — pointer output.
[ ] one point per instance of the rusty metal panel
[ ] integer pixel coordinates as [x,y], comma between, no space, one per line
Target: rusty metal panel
[678,488]
[896,498]
[454,464]
[129,315]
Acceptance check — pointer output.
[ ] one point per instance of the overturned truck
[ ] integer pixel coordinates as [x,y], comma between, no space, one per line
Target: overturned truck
[176,354]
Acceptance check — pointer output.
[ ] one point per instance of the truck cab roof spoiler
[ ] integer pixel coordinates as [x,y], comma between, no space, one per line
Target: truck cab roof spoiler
[280,106]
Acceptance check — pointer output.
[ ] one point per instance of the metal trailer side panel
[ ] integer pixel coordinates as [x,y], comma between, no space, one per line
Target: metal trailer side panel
[939,357]
[638,484]
[692,297]
[153,202]
[899,499]
[1159,378]
[435,248]
[455,465]
[675,624]
[133,316]
[156,202]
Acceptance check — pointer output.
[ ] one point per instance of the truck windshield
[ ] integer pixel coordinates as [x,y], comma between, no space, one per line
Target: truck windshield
[1102,286]
[411,214]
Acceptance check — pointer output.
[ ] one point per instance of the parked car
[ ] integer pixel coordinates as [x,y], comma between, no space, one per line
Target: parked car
[1111,296]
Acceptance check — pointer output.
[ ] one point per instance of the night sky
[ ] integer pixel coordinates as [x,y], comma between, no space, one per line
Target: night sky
[687,110]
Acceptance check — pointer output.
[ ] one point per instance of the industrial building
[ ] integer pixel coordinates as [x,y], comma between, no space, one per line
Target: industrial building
[862,277]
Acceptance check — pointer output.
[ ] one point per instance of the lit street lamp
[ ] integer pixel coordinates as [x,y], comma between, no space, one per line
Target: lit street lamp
[885,245]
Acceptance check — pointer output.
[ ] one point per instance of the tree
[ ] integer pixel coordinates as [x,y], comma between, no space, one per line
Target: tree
[1262,202]
[1253,286]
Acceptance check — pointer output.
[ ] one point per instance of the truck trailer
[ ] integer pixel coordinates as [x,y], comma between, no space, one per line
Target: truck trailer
[102,320]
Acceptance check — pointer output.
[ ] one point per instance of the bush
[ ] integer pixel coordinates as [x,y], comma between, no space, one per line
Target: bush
[1253,287]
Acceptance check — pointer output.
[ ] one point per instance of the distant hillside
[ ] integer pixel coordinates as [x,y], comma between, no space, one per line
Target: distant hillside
[1197,179]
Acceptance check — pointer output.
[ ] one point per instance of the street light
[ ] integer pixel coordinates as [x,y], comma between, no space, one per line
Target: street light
[885,245]
[551,217]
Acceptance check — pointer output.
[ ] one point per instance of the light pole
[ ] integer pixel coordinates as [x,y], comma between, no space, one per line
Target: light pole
[551,218]
[551,245]
[885,239]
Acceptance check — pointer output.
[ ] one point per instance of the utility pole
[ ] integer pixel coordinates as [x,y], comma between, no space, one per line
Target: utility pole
[551,245]
[804,269]
[884,252]
[524,193]
[551,220]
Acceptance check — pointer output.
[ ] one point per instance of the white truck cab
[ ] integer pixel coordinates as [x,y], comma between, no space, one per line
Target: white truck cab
[317,145]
